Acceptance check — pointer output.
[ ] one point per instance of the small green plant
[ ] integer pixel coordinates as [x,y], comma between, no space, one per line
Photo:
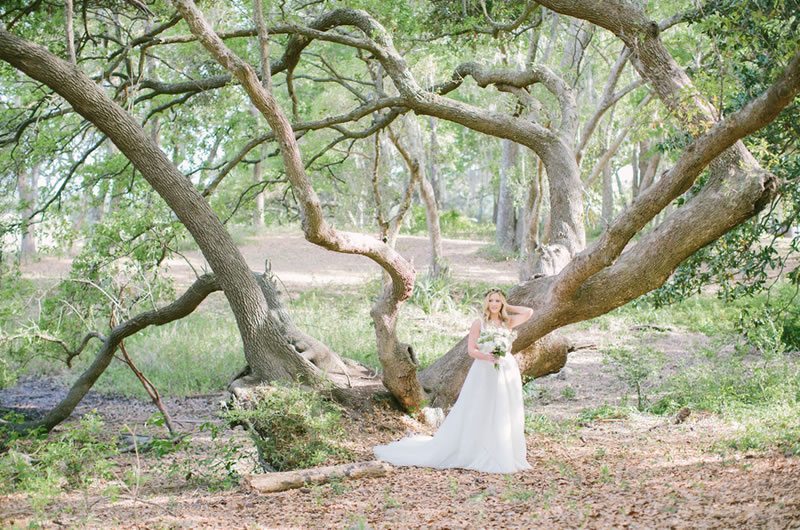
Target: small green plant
[516,492]
[433,294]
[603,412]
[292,428]
[605,474]
[539,423]
[389,501]
[634,368]
[44,467]
[357,522]
[568,393]
[452,483]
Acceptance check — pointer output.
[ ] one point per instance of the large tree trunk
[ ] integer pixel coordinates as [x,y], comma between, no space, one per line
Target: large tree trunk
[266,346]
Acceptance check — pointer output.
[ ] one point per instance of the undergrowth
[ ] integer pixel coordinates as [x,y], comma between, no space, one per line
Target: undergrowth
[43,466]
[292,428]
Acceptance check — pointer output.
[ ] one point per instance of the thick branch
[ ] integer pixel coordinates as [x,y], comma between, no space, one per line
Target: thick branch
[695,158]
[314,224]
[178,309]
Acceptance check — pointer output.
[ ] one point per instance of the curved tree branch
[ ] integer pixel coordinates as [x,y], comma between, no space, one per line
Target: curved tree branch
[180,308]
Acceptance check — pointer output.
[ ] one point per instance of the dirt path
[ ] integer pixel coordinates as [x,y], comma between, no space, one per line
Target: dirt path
[302,265]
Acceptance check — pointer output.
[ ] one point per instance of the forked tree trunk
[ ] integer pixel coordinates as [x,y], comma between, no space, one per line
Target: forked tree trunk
[603,278]
[415,162]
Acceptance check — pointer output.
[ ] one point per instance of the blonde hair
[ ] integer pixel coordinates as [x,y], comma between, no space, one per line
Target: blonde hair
[504,318]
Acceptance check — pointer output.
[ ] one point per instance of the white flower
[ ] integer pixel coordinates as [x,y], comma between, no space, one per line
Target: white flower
[493,338]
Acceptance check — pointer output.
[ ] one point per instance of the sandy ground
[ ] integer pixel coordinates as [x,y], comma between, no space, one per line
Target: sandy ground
[303,265]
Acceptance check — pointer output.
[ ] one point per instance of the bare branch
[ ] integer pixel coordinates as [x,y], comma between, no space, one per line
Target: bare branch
[180,308]
[615,145]
[607,100]
[70,33]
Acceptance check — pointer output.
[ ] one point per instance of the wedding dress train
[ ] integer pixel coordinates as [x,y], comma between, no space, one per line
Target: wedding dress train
[485,429]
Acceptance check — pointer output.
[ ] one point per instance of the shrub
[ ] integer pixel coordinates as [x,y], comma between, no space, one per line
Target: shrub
[43,467]
[292,428]
[634,368]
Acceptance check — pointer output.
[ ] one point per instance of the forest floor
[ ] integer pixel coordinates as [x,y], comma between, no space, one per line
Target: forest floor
[631,470]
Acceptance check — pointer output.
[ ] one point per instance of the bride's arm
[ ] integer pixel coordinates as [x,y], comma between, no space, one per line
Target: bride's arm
[472,343]
[518,314]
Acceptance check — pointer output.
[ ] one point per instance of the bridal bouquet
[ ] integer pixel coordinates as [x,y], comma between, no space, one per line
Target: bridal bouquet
[496,341]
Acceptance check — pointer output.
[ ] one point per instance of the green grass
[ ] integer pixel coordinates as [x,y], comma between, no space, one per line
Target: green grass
[541,424]
[704,313]
[194,355]
[603,412]
[202,352]
[776,425]
[437,316]
[492,252]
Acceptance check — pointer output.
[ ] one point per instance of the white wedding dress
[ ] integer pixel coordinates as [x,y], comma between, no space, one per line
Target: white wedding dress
[485,429]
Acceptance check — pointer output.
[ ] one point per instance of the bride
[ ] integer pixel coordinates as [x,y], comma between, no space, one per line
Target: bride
[485,429]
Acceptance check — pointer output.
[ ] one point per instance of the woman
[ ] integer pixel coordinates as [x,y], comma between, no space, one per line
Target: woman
[485,429]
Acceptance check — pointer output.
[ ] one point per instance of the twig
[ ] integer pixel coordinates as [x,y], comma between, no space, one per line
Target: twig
[151,390]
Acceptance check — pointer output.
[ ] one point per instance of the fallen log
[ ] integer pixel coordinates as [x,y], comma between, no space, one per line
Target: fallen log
[286,480]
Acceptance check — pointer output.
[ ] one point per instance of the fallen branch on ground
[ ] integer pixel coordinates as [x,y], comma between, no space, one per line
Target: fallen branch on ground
[285,480]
